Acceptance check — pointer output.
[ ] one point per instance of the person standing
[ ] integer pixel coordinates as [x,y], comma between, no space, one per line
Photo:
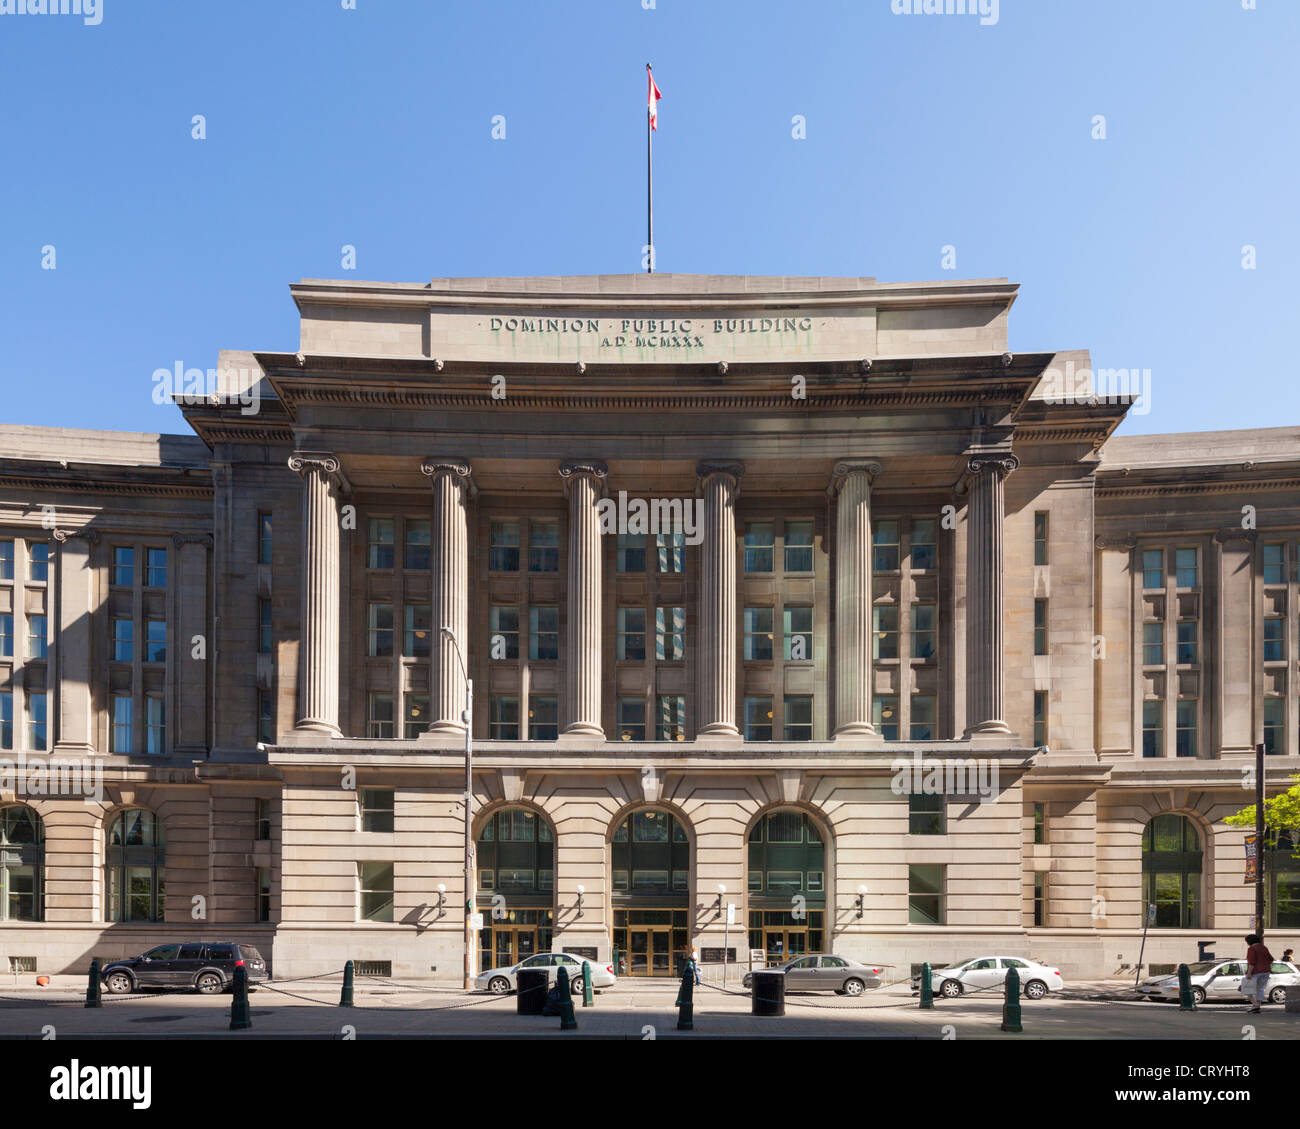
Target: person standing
[1259,963]
[1287,954]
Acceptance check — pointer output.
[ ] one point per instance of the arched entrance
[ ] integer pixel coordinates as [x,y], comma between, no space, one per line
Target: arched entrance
[786,886]
[515,856]
[650,869]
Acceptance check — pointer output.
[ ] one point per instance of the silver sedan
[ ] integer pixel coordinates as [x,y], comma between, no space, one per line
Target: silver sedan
[825,972]
[503,980]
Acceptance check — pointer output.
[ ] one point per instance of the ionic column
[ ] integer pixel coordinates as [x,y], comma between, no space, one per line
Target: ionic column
[318,654]
[584,484]
[852,483]
[720,487]
[452,490]
[984,567]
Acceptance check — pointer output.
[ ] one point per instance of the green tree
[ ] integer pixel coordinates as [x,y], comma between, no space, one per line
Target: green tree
[1281,812]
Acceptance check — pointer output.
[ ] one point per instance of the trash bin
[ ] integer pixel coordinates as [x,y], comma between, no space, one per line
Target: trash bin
[531,996]
[767,992]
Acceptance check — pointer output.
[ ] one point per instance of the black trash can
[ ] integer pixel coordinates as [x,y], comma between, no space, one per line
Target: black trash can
[767,992]
[531,996]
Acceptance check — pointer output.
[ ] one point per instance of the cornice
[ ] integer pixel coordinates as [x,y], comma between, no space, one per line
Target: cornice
[82,486]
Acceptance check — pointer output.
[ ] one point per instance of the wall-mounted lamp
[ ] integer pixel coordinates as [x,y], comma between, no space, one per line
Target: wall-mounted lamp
[717,906]
[442,897]
[862,897]
[581,890]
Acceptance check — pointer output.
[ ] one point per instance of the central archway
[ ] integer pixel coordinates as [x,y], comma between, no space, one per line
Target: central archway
[650,892]
[515,866]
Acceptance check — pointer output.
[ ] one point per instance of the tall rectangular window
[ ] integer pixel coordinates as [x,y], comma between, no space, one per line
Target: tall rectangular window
[377,807]
[1040,537]
[924,553]
[631,552]
[631,719]
[503,720]
[1185,567]
[263,537]
[122,736]
[884,547]
[263,626]
[922,723]
[262,819]
[155,640]
[124,566]
[263,894]
[381,543]
[670,717]
[503,630]
[376,880]
[1274,638]
[758,719]
[1187,651]
[884,716]
[418,630]
[1040,717]
[671,549]
[543,717]
[415,718]
[1185,737]
[6,560]
[155,571]
[1275,726]
[6,719]
[6,635]
[155,729]
[544,546]
[419,534]
[265,716]
[379,720]
[670,634]
[1040,897]
[37,631]
[38,561]
[503,546]
[758,634]
[798,546]
[1040,627]
[543,632]
[923,631]
[884,635]
[1040,823]
[759,542]
[925,895]
[1153,644]
[1274,560]
[797,717]
[631,635]
[1153,568]
[379,630]
[36,732]
[925,813]
[798,633]
[1153,728]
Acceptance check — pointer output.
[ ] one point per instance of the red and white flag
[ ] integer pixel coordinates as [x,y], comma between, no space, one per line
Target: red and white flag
[652,97]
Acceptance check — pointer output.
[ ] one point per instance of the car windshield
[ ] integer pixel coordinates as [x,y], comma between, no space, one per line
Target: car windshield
[1202,966]
[959,963]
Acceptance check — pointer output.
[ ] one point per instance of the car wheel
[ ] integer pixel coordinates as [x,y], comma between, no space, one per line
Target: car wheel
[499,985]
[950,988]
[1277,995]
[853,987]
[119,983]
[575,985]
[1035,990]
[1198,994]
[209,983]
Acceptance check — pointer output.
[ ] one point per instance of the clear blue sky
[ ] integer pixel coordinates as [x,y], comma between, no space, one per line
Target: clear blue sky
[372,127]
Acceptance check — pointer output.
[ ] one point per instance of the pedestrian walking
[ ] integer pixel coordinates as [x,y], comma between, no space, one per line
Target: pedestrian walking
[1259,963]
[1287,955]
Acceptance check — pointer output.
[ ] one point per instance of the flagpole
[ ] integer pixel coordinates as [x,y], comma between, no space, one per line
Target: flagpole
[649,187]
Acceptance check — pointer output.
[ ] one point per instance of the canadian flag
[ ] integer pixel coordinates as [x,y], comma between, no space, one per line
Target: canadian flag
[652,97]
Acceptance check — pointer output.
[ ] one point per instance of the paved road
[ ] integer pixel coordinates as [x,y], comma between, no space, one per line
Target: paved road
[630,1010]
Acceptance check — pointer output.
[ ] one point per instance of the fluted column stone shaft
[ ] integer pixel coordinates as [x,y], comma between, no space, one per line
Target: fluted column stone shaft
[720,486]
[583,482]
[853,689]
[318,655]
[984,612]
[452,490]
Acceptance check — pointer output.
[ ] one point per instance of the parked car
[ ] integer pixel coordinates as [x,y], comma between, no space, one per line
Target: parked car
[1221,980]
[1036,979]
[502,980]
[825,972]
[208,966]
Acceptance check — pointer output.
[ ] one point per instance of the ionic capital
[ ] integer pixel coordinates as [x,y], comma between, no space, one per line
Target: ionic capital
[304,463]
[1235,533]
[459,469]
[573,469]
[1124,541]
[1000,462]
[846,467]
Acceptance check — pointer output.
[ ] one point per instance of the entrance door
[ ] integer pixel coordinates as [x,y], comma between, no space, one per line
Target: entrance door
[782,945]
[650,951]
[514,944]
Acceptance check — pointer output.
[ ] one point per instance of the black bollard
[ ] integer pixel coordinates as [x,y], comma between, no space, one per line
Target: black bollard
[568,1021]
[93,988]
[240,1017]
[927,987]
[1011,1005]
[686,1000]
[345,997]
[1186,1001]
[587,989]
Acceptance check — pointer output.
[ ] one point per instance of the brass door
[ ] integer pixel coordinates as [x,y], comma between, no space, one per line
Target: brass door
[649,950]
[513,944]
[782,945]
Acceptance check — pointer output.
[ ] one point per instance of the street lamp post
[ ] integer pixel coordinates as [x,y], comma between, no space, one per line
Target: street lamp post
[468,718]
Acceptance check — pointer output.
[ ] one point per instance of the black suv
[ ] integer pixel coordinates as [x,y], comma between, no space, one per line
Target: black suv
[208,966]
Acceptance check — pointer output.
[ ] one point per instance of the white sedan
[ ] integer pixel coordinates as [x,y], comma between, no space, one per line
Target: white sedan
[988,973]
[500,981]
[1221,980]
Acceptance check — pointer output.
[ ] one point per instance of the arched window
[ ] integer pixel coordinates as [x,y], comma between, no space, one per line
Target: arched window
[516,855]
[1171,871]
[651,855]
[787,857]
[22,864]
[135,865]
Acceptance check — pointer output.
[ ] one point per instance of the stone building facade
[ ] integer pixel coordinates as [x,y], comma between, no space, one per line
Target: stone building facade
[805,588]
